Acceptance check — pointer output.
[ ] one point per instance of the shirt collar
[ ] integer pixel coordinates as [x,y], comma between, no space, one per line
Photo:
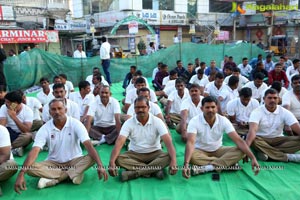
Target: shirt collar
[53,127]
[268,112]
[202,119]
[150,120]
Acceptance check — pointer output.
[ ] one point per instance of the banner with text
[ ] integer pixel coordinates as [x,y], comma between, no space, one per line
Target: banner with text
[28,36]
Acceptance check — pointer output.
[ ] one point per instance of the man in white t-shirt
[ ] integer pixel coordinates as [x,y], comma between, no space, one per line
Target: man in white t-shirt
[266,125]
[204,148]
[154,108]
[227,93]
[214,88]
[239,110]
[17,118]
[79,53]
[83,98]
[291,99]
[37,108]
[63,136]
[245,68]
[131,95]
[201,79]
[242,79]
[189,108]
[175,99]
[45,95]
[257,86]
[72,107]
[145,156]
[105,58]
[105,111]
[68,84]
[8,167]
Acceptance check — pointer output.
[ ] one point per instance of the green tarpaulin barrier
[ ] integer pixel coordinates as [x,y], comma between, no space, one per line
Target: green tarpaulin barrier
[25,70]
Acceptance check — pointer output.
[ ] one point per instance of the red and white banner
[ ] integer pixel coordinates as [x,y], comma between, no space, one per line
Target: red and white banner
[28,36]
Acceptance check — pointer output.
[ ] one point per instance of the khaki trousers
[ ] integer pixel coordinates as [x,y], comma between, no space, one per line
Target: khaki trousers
[223,157]
[22,140]
[61,171]
[240,130]
[8,169]
[143,163]
[36,125]
[277,148]
[110,133]
[175,118]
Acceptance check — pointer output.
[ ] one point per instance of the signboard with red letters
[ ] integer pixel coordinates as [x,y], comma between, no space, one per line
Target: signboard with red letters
[28,36]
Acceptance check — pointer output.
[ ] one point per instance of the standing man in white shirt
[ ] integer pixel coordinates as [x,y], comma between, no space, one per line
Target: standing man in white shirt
[266,125]
[145,156]
[105,58]
[65,160]
[204,148]
[8,167]
[79,53]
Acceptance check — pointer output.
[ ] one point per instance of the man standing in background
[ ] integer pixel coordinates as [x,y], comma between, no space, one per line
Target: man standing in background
[105,58]
[79,53]
[2,58]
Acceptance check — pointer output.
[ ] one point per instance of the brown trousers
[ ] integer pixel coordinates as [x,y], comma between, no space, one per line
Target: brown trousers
[143,163]
[23,140]
[277,148]
[223,157]
[61,171]
[240,130]
[8,169]
[175,118]
[36,125]
[110,133]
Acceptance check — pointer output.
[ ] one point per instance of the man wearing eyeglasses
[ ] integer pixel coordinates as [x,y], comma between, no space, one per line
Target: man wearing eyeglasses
[145,157]
[266,125]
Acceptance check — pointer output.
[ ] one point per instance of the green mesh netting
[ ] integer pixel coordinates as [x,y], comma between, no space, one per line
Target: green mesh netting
[25,70]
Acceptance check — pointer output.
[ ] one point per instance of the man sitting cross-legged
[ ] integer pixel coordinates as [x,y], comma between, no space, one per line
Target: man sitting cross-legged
[145,156]
[266,125]
[204,147]
[63,135]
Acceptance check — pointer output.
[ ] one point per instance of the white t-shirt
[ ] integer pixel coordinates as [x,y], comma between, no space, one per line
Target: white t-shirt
[245,71]
[207,138]
[291,71]
[155,70]
[192,109]
[144,139]
[78,54]
[131,85]
[165,80]
[177,100]
[82,103]
[170,86]
[212,90]
[257,93]
[5,139]
[72,111]
[201,82]
[104,116]
[281,93]
[241,112]
[227,94]
[271,125]
[25,115]
[242,81]
[43,98]
[291,100]
[105,51]
[34,105]
[64,144]
[154,109]
[69,86]
[132,95]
